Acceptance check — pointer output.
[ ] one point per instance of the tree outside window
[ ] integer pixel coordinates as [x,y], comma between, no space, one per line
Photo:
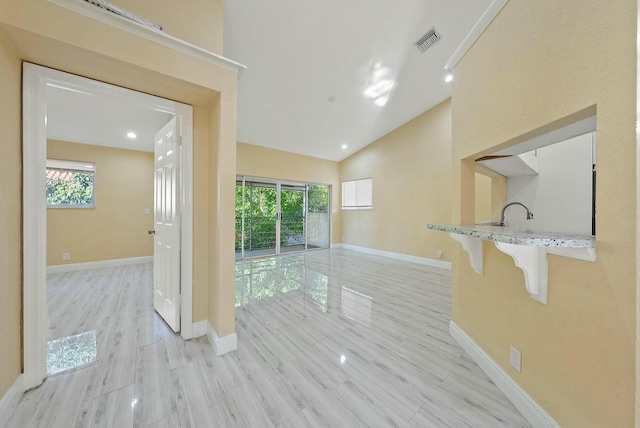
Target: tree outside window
[70,184]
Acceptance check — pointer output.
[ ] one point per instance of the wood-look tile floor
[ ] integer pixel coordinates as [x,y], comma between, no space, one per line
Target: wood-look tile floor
[328,338]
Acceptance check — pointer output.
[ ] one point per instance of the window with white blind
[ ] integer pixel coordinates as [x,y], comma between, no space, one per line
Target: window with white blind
[70,184]
[357,194]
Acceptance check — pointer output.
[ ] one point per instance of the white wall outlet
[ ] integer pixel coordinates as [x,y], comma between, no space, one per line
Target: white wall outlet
[515,358]
[147,211]
[439,254]
[66,256]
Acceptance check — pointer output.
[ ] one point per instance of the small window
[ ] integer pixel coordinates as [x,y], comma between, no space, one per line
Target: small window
[357,194]
[70,184]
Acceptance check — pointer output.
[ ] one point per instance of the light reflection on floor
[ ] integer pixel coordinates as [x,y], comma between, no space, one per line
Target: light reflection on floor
[259,279]
[71,352]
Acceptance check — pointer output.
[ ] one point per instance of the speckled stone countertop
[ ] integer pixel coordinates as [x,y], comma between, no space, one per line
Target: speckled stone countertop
[492,232]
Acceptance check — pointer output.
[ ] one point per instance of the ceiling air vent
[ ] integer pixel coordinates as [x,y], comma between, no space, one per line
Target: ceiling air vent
[103,4]
[427,40]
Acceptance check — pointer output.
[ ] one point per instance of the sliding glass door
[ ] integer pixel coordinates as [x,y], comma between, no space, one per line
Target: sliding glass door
[292,217]
[276,216]
[318,217]
[256,218]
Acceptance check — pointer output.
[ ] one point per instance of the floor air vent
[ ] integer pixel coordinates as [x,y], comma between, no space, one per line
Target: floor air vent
[103,4]
[426,41]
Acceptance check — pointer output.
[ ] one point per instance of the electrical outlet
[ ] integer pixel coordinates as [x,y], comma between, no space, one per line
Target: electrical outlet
[439,253]
[515,358]
[66,256]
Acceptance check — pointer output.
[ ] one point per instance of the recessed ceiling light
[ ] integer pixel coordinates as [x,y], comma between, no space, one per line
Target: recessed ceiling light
[448,78]
[344,146]
[132,135]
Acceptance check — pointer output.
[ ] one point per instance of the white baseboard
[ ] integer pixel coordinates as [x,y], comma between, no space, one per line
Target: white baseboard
[398,256]
[531,410]
[221,345]
[200,328]
[10,399]
[72,267]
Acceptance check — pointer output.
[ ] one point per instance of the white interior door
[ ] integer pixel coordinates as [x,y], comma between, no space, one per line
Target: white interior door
[166,254]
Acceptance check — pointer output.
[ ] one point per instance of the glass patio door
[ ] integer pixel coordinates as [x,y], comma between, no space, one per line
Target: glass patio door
[292,218]
[256,218]
[275,216]
[317,226]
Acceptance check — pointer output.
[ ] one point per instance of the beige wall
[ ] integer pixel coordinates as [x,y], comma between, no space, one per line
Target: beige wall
[411,171]
[117,227]
[532,68]
[483,199]
[222,179]
[44,33]
[198,22]
[257,161]
[201,192]
[10,224]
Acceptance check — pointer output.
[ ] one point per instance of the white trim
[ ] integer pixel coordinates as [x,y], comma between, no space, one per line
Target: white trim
[221,345]
[34,227]
[10,399]
[72,267]
[186,230]
[35,321]
[487,17]
[151,34]
[531,410]
[398,256]
[200,328]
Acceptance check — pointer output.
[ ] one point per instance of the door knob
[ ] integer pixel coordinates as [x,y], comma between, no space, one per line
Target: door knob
[151,232]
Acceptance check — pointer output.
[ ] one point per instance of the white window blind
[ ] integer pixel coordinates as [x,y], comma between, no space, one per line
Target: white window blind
[357,194]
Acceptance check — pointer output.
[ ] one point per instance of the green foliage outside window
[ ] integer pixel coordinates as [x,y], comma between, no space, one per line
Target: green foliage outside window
[75,190]
[260,204]
[318,199]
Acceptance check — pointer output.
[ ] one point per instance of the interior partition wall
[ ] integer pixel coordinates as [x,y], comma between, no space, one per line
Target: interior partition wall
[278,216]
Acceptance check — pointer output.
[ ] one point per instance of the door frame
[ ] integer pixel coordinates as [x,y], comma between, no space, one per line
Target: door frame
[35,80]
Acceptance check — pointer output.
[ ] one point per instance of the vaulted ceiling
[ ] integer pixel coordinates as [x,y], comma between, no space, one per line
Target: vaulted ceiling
[321,75]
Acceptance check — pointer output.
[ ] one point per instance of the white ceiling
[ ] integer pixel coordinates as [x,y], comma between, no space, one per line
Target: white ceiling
[80,117]
[299,54]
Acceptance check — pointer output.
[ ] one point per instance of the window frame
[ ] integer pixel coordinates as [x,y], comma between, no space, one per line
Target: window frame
[361,200]
[73,166]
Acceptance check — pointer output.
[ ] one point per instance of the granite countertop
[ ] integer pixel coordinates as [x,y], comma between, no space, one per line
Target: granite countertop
[492,232]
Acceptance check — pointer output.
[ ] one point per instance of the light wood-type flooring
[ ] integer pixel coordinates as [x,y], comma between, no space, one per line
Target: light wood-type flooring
[329,338]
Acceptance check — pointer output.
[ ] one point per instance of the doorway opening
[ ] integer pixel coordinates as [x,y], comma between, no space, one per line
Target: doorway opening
[277,216]
[37,84]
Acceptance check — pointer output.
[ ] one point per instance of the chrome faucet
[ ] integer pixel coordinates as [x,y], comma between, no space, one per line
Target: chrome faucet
[529,213]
